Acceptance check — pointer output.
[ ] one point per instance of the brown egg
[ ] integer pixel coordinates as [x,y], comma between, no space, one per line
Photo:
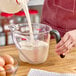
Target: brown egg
[8,59]
[9,69]
[2,71]
[2,61]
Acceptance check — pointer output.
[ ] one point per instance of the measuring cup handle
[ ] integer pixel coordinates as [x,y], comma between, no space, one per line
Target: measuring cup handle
[56,34]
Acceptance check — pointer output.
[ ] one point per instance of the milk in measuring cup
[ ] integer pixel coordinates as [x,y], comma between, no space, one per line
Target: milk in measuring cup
[36,52]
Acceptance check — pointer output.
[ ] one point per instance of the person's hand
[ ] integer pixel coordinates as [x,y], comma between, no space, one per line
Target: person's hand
[67,42]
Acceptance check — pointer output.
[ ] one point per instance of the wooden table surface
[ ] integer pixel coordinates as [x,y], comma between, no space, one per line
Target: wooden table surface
[53,64]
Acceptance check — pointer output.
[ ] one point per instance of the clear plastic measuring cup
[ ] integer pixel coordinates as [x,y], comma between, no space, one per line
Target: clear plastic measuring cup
[35,52]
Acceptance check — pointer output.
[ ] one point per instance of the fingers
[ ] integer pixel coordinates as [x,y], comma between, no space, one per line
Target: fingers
[65,50]
[63,40]
[69,47]
[65,46]
[66,43]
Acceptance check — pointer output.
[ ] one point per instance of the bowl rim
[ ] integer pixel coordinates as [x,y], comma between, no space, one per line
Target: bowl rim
[33,24]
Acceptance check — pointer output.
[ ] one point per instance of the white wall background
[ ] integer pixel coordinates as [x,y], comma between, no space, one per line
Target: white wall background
[35,2]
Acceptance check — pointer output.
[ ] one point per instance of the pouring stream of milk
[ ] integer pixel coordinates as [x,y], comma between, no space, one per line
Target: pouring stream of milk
[25,8]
